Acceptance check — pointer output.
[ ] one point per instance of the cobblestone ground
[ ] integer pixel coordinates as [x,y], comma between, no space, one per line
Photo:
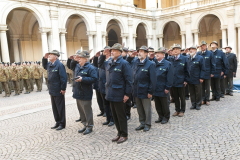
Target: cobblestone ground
[25,121]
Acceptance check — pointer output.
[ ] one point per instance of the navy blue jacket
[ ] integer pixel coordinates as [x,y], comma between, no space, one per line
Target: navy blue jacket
[232,59]
[164,76]
[144,77]
[221,63]
[118,78]
[181,73]
[84,90]
[196,69]
[210,64]
[57,76]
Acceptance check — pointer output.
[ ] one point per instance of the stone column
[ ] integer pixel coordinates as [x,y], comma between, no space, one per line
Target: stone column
[130,34]
[195,32]
[55,30]
[98,21]
[134,41]
[63,44]
[124,38]
[15,48]
[90,41]
[49,38]
[159,4]
[104,35]
[231,30]
[183,35]
[160,37]
[149,40]
[43,32]
[189,37]
[4,43]
[224,36]
[238,53]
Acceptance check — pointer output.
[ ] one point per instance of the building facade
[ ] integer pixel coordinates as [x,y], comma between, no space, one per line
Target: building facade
[31,28]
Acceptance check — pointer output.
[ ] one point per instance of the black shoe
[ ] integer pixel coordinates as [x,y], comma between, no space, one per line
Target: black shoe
[141,127]
[106,123]
[135,106]
[60,128]
[218,99]
[110,124]
[88,130]
[56,126]
[78,120]
[198,108]
[104,115]
[128,118]
[101,114]
[146,128]
[164,121]
[193,107]
[158,121]
[222,96]
[16,94]
[26,92]
[38,91]
[187,98]
[82,130]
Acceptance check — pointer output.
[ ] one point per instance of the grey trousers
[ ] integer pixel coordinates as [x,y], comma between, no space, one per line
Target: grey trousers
[86,114]
[144,111]
[195,94]
[206,90]
[229,85]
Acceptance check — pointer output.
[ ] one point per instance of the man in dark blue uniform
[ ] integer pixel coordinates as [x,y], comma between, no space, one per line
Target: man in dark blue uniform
[118,88]
[181,76]
[164,76]
[221,69]
[210,67]
[144,84]
[232,59]
[57,83]
[197,73]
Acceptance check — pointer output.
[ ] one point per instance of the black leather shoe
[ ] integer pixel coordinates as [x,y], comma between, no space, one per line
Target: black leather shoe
[110,124]
[88,130]
[60,128]
[222,96]
[78,120]
[26,92]
[104,115]
[135,106]
[193,107]
[141,127]
[101,114]
[82,130]
[106,123]
[146,128]
[164,121]
[198,108]
[128,118]
[158,121]
[56,126]
[218,99]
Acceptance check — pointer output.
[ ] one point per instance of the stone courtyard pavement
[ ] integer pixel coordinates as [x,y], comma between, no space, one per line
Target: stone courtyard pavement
[25,121]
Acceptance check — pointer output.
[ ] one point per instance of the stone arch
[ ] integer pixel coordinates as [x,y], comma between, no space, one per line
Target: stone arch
[118,20]
[11,6]
[145,24]
[81,15]
[165,22]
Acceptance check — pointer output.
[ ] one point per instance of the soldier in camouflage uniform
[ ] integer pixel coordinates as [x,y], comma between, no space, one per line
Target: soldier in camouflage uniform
[46,77]
[4,77]
[31,76]
[20,80]
[15,78]
[10,86]
[37,75]
[0,88]
[26,74]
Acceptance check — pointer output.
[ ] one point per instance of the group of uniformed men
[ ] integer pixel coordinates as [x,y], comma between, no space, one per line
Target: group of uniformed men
[124,78]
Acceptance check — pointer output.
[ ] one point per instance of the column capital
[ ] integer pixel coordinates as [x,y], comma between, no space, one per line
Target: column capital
[3,27]
[237,25]
[124,35]
[44,30]
[231,13]
[91,33]
[134,35]
[104,34]
[149,36]
[188,20]
[62,31]
[224,27]
[195,31]
[160,36]
[183,33]
[53,14]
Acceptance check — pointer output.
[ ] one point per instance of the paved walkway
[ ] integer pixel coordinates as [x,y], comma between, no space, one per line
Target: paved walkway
[25,121]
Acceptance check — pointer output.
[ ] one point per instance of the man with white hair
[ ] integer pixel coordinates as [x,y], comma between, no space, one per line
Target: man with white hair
[57,84]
